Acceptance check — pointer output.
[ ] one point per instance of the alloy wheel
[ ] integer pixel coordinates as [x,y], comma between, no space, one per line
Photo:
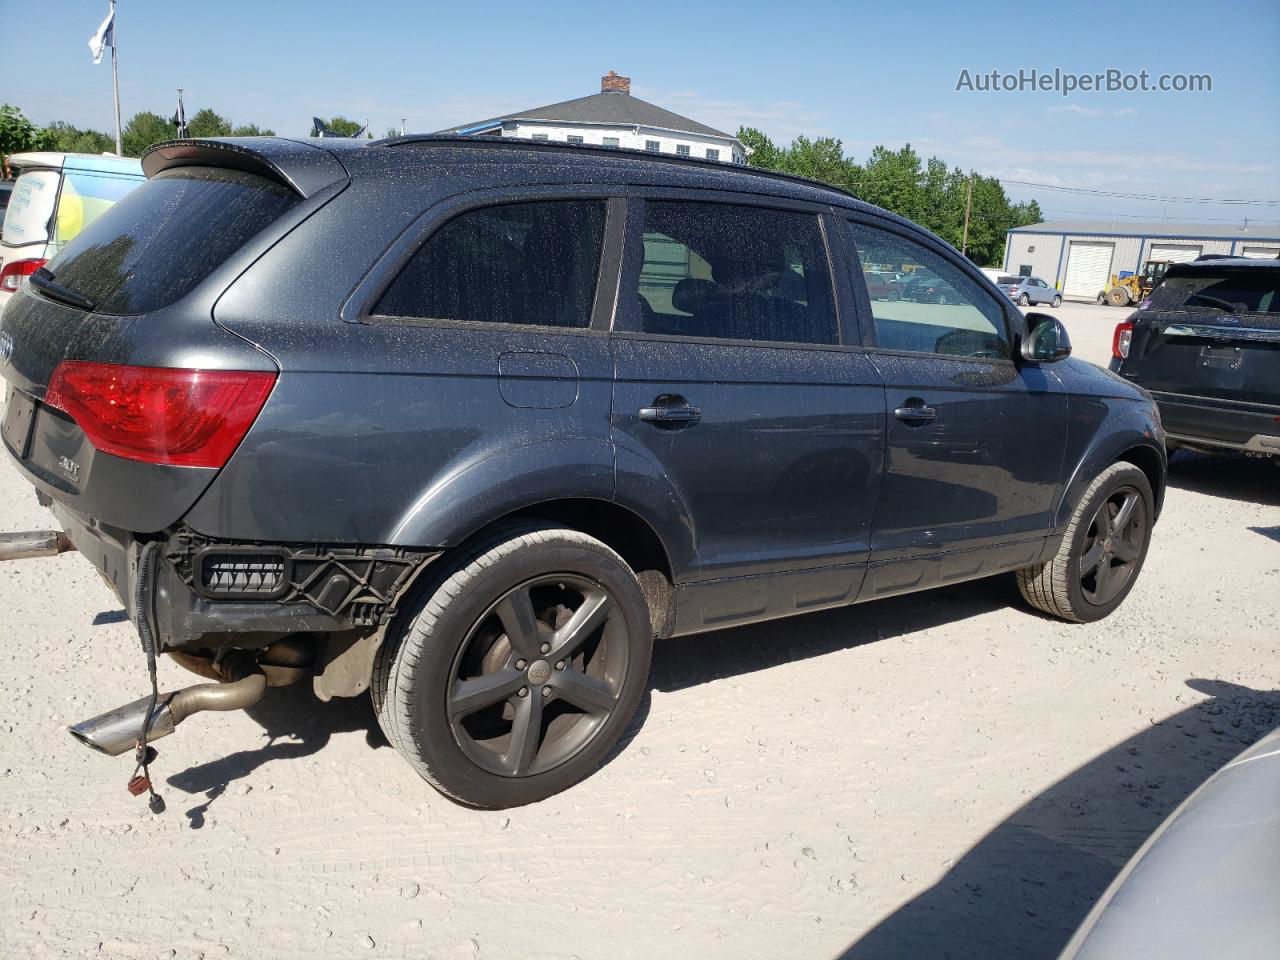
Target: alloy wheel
[538,675]
[1113,545]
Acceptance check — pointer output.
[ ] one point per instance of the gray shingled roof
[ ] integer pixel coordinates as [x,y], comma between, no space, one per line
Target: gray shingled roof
[1157,228]
[613,107]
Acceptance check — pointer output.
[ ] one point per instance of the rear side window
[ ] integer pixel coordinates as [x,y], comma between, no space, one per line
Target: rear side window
[163,238]
[734,273]
[1242,292]
[532,264]
[30,210]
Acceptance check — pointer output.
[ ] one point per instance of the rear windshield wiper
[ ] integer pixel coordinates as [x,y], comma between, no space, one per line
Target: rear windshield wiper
[44,281]
[1212,301]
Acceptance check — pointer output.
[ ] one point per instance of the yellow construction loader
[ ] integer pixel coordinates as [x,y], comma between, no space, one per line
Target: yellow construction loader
[1135,287]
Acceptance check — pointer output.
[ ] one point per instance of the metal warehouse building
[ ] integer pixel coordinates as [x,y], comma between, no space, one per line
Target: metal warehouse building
[1079,256]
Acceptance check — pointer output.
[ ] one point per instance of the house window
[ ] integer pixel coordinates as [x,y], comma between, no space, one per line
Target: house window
[574,138]
[540,136]
[713,154]
[653,146]
[609,141]
[682,149]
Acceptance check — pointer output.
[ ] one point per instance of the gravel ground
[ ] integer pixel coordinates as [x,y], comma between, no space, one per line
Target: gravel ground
[945,775]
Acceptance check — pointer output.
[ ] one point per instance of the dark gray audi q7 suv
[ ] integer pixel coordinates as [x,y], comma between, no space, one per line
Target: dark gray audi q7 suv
[469,423]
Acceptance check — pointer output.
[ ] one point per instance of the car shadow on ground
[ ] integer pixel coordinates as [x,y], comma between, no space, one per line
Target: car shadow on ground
[295,724]
[1230,476]
[701,658]
[1022,890]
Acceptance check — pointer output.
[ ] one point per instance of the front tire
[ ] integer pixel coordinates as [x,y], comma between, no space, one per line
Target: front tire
[520,669]
[1101,553]
[1057,302]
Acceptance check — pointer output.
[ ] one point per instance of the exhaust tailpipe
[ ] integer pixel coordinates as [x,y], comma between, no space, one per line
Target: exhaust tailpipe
[33,543]
[118,731]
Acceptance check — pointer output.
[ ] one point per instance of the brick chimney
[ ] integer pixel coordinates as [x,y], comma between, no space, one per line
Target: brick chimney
[612,83]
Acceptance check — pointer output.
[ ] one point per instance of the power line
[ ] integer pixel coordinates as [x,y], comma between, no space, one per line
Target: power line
[1108,215]
[1141,196]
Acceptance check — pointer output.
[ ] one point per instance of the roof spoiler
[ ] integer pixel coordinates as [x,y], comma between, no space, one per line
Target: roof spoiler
[303,167]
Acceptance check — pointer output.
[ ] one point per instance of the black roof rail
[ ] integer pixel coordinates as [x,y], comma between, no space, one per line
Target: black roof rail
[520,143]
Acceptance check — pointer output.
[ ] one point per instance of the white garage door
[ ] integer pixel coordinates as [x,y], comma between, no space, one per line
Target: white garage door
[1175,252]
[1260,253]
[1088,269]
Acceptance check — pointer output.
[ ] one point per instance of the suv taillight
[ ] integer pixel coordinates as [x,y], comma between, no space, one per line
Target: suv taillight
[16,272]
[1120,342]
[187,418]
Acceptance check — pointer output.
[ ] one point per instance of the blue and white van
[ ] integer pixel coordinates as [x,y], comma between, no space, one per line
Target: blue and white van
[56,195]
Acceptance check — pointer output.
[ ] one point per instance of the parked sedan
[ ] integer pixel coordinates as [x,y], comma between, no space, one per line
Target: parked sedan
[1204,884]
[1206,343]
[1027,290]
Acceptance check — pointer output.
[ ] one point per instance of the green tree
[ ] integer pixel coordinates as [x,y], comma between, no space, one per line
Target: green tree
[144,129]
[17,133]
[251,130]
[342,126]
[207,123]
[70,139]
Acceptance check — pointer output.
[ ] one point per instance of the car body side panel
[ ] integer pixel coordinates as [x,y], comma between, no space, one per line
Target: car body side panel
[1107,417]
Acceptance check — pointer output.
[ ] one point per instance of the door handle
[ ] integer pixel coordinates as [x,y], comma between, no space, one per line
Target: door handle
[670,410]
[916,410]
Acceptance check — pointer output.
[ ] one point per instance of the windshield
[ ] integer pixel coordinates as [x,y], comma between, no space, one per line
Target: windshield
[163,238]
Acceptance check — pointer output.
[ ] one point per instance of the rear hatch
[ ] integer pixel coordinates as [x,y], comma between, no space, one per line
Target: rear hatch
[124,398]
[1210,330]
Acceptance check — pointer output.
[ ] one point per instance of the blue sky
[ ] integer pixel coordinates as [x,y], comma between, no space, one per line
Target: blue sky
[868,74]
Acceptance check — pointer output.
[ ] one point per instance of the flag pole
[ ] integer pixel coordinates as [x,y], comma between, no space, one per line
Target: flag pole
[115,80]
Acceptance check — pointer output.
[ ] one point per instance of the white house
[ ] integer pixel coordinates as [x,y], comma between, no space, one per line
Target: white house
[613,118]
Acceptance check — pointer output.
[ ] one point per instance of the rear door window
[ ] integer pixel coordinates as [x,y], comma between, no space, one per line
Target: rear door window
[31,206]
[161,239]
[531,264]
[732,272]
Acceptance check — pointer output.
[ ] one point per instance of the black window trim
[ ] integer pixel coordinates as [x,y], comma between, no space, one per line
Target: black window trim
[1013,329]
[626,322]
[359,305]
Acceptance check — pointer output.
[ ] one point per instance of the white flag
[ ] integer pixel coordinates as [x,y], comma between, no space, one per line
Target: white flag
[105,37]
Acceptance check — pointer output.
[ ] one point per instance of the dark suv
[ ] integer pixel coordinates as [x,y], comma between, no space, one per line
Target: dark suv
[468,423]
[1206,343]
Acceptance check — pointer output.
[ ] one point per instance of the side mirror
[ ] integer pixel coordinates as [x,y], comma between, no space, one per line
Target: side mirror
[1046,340]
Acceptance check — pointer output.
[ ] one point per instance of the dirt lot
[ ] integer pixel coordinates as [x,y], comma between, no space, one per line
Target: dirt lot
[946,775]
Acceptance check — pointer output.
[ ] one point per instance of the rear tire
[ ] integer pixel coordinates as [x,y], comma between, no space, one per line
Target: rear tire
[1024,300]
[1057,302]
[1118,297]
[1101,553]
[519,670]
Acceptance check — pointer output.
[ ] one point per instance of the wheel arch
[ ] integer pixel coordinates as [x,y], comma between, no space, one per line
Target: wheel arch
[1134,441]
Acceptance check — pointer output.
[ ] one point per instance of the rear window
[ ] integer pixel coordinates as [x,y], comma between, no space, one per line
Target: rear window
[163,238]
[30,210]
[1013,280]
[85,197]
[1253,292]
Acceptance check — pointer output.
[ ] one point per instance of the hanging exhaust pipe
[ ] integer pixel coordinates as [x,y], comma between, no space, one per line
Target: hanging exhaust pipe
[118,731]
[33,543]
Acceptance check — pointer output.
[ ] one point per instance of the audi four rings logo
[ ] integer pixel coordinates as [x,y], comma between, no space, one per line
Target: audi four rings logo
[6,347]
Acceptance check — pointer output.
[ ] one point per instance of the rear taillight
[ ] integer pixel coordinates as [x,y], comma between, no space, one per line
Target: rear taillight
[1120,342]
[16,272]
[186,418]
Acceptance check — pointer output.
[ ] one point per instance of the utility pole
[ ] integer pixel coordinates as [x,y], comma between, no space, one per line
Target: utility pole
[968,206]
[402,119]
[115,80]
